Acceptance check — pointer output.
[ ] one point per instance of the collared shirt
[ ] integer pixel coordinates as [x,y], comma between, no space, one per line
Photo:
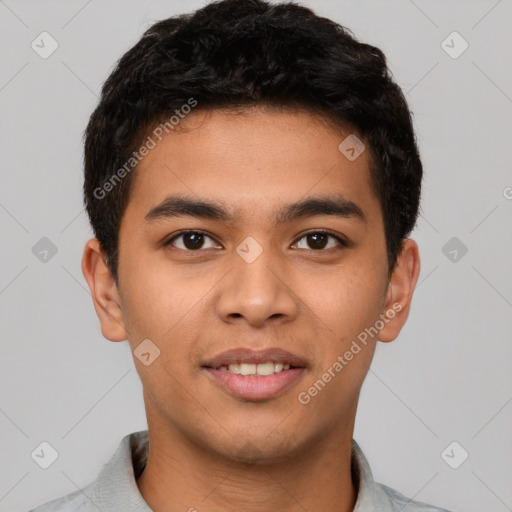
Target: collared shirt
[116,489]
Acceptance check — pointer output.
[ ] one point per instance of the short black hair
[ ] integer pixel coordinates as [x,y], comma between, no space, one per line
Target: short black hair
[232,54]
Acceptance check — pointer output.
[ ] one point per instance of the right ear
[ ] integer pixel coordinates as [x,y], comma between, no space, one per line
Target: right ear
[104,292]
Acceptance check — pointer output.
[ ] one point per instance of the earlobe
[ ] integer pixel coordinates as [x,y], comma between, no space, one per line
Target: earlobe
[104,292]
[400,290]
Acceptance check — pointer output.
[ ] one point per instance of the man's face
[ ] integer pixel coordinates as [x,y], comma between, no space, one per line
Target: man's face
[256,280]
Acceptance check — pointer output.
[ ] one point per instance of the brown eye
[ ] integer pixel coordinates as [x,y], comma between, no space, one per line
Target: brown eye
[191,241]
[320,240]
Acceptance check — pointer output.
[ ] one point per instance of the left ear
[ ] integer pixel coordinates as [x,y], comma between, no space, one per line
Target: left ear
[400,291]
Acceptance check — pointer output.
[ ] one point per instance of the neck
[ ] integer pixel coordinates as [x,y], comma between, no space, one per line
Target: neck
[182,476]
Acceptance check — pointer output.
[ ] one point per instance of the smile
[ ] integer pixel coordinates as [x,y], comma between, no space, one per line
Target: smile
[255,375]
[255,370]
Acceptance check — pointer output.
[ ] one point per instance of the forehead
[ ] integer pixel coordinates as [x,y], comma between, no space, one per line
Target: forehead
[252,161]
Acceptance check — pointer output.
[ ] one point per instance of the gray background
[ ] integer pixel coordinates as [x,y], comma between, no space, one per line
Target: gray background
[448,376]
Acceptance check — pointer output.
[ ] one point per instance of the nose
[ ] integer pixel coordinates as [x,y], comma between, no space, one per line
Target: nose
[256,293]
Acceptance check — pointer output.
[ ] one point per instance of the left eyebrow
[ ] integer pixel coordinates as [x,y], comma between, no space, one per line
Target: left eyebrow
[337,206]
[177,206]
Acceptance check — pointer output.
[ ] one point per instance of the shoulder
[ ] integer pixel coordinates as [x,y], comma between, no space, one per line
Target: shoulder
[75,502]
[115,487]
[398,501]
[375,496]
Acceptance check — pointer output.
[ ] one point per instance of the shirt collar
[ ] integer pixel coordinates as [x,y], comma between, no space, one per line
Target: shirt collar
[116,487]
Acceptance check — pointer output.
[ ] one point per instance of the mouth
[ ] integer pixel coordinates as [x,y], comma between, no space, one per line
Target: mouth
[251,375]
[255,370]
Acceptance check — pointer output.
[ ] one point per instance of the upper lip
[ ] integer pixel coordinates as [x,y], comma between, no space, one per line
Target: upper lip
[249,356]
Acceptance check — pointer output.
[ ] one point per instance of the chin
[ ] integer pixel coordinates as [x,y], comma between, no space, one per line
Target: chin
[258,448]
[255,454]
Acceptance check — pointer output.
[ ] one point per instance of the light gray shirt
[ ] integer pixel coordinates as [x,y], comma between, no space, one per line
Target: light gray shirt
[116,490]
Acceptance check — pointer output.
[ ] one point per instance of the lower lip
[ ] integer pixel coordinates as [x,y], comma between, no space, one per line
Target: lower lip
[249,387]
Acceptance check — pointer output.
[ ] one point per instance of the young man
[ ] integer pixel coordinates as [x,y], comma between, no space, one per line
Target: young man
[251,176]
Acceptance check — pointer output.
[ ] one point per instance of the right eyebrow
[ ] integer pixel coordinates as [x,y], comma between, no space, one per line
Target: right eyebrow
[176,206]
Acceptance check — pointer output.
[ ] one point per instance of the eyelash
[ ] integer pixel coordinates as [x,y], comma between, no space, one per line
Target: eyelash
[341,241]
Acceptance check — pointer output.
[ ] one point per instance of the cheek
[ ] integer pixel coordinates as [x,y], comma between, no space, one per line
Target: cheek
[154,299]
[347,301]
[343,311]
[167,308]
[344,308]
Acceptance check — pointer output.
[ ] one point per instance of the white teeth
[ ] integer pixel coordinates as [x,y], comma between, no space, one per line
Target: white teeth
[265,368]
[262,369]
[247,369]
[235,368]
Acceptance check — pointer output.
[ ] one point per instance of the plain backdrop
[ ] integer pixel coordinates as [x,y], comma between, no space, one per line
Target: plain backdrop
[446,378]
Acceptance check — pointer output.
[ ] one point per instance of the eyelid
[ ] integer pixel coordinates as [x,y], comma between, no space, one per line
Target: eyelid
[340,239]
[186,231]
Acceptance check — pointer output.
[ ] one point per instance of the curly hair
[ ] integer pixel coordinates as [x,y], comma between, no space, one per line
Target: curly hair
[233,54]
